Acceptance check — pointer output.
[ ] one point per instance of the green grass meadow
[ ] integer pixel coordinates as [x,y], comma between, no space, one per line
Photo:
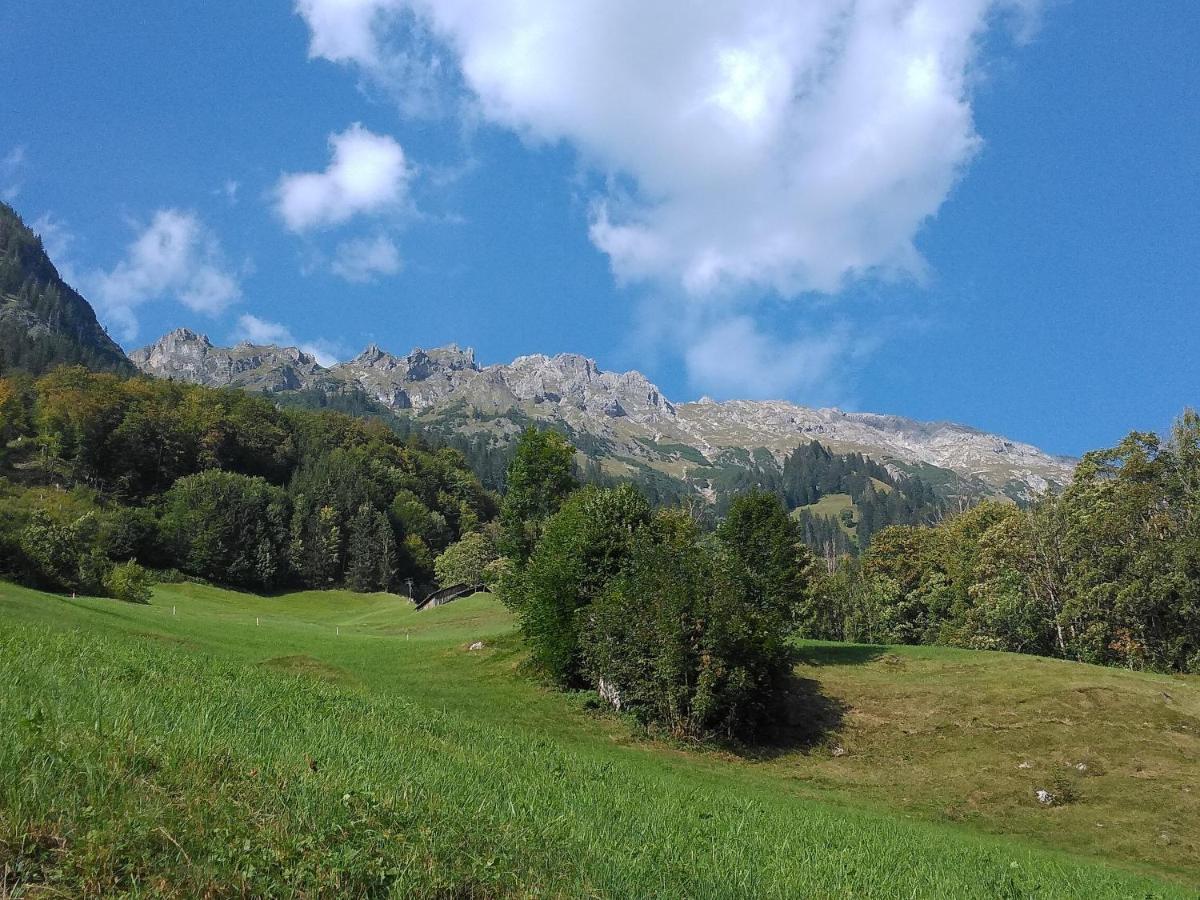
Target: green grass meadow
[328,744]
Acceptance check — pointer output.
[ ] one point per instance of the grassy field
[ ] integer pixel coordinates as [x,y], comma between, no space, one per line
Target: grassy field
[831,506]
[332,744]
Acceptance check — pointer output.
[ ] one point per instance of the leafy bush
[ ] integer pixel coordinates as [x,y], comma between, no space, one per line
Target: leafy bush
[129,582]
[582,547]
[680,638]
[467,561]
[61,556]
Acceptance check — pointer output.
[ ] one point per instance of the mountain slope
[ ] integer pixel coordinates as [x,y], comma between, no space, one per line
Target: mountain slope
[43,321]
[620,421]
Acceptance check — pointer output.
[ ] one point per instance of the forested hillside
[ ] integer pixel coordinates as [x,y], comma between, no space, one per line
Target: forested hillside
[43,321]
[840,499]
[105,476]
[1107,571]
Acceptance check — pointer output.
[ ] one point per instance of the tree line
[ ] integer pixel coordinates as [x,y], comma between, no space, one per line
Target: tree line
[104,472]
[1107,571]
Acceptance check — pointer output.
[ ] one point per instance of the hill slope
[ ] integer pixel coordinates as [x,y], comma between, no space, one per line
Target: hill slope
[43,321]
[620,420]
[341,744]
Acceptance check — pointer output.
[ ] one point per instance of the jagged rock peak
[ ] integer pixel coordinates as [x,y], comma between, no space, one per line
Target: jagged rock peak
[452,356]
[449,356]
[185,355]
[372,355]
[181,336]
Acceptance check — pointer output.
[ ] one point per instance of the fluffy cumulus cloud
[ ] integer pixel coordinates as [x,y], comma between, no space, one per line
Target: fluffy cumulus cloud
[364,259]
[368,173]
[254,330]
[776,144]
[174,257]
[774,147]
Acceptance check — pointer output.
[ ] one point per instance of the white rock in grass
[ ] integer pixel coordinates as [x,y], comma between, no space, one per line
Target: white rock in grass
[1044,797]
[839,751]
[478,645]
[1025,765]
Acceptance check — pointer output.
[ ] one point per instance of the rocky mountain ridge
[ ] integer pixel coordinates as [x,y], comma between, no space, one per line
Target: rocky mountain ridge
[624,417]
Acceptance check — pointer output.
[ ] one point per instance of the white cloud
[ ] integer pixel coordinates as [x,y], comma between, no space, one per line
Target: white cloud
[368,173]
[12,166]
[779,145]
[735,358]
[390,39]
[260,331]
[229,190]
[345,30]
[362,259]
[746,148]
[174,257]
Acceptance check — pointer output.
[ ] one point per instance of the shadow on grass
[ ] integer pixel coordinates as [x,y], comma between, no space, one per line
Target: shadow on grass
[838,654]
[805,720]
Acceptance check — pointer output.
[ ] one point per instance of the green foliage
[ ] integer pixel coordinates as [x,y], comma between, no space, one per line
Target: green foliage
[371,551]
[683,638]
[540,477]
[131,533]
[227,528]
[766,542]
[467,561]
[812,472]
[129,582]
[686,631]
[248,494]
[1107,572]
[582,547]
[58,555]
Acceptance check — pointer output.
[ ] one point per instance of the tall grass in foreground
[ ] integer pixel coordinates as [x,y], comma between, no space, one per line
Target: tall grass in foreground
[138,768]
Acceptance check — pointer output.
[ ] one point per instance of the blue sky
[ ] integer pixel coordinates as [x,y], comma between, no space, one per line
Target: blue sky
[979,210]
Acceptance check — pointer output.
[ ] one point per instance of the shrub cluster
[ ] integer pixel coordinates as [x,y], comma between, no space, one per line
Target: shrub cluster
[686,630]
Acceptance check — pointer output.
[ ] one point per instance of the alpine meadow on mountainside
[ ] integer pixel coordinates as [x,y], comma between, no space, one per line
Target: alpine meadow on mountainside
[611,586]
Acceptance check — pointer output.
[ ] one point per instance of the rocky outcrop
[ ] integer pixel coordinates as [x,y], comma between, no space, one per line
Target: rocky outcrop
[1010,467]
[625,410]
[184,355]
